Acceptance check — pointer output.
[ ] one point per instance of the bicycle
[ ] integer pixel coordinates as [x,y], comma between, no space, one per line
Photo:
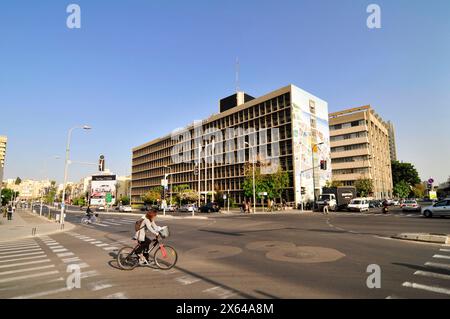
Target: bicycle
[164,257]
[86,220]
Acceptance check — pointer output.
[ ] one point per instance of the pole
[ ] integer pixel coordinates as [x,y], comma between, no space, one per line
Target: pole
[199,174]
[254,185]
[313,176]
[66,172]
[213,148]
[228,200]
[40,210]
[206,173]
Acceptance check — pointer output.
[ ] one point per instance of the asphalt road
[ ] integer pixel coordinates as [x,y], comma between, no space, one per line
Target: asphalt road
[238,256]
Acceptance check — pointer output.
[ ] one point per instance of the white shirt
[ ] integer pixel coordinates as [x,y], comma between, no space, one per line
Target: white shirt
[147,225]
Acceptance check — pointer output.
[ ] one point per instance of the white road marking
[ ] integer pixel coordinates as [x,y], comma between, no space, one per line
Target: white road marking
[187,280]
[15,245]
[59,250]
[65,254]
[25,263]
[445,250]
[24,258]
[89,274]
[220,292]
[110,248]
[89,240]
[69,260]
[119,295]
[22,254]
[432,275]
[42,294]
[441,256]
[25,270]
[21,250]
[111,223]
[42,274]
[103,225]
[427,288]
[437,265]
[100,286]
[81,265]
[97,242]
[56,247]
[102,245]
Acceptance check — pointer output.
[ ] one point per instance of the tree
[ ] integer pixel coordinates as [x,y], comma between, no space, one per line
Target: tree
[125,200]
[418,191]
[364,187]
[404,172]
[7,195]
[18,181]
[152,196]
[184,194]
[49,198]
[280,181]
[402,189]
[332,183]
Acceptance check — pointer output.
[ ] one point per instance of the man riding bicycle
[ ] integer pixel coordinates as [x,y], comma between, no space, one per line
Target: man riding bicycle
[147,225]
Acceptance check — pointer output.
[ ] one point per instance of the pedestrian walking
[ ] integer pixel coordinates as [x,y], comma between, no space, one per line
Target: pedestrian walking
[326,207]
[10,212]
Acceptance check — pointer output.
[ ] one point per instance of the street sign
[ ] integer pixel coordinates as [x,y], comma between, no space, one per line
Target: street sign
[262,194]
[196,170]
[431,181]
[108,198]
[164,183]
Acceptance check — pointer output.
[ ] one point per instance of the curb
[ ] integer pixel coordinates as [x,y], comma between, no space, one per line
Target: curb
[67,227]
[427,238]
[160,215]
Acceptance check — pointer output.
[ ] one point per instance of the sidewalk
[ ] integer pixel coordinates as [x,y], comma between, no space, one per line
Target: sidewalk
[25,224]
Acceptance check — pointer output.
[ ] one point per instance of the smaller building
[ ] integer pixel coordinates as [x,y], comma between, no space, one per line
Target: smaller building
[360,149]
[392,144]
[3,142]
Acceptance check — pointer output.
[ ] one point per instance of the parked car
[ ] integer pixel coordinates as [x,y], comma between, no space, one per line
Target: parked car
[125,209]
[375,203]
[189,208]
[441,208]
[359,205]
[210,208]
[410,205]
[101,208]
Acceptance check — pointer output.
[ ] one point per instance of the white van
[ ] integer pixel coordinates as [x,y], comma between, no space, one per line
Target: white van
[359,205]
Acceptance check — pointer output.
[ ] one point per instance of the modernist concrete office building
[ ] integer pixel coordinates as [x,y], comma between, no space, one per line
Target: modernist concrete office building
[360,149]
[392,144]
[279,128]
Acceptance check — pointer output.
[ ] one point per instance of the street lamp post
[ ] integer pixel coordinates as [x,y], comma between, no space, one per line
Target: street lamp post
[253,169]
[313,149]
[170,184]
[66,170]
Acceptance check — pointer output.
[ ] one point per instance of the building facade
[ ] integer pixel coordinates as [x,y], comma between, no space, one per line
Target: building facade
[392,144]
[3,142]
[360,149]
[286,128]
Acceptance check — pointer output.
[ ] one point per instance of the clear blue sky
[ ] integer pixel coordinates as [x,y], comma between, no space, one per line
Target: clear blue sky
[138,69]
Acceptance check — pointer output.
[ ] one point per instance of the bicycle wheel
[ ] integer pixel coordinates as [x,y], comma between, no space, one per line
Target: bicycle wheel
[165,257]
[127,259]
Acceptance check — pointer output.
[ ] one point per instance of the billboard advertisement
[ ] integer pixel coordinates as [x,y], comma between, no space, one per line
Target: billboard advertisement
[103,187]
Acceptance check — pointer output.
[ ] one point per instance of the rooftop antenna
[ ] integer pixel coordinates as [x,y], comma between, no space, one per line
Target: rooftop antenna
[237,75]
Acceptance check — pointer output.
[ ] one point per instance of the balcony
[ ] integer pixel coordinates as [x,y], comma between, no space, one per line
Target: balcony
[349,165]
[350,177]
[350,141]
[350,153]
[349,130]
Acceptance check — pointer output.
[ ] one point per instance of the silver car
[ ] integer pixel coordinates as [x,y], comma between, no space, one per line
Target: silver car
[441,208]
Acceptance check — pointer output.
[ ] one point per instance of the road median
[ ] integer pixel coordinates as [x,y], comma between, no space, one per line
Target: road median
[424,237]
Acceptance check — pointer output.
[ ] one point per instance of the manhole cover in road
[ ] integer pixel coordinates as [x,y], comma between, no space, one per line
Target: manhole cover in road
[213,252]
[269,245]
[305,255]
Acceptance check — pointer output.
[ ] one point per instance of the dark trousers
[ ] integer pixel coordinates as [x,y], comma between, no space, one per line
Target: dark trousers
[143,245]
[9,216]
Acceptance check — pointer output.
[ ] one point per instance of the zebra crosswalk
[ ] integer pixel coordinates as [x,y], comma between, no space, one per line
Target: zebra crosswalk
[37,268]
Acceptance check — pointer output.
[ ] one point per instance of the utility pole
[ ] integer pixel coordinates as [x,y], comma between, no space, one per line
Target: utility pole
[206,173]
[199,174]
[212,170]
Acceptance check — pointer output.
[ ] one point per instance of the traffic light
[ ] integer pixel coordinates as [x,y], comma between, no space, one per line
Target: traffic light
[101,163]
[323,165]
